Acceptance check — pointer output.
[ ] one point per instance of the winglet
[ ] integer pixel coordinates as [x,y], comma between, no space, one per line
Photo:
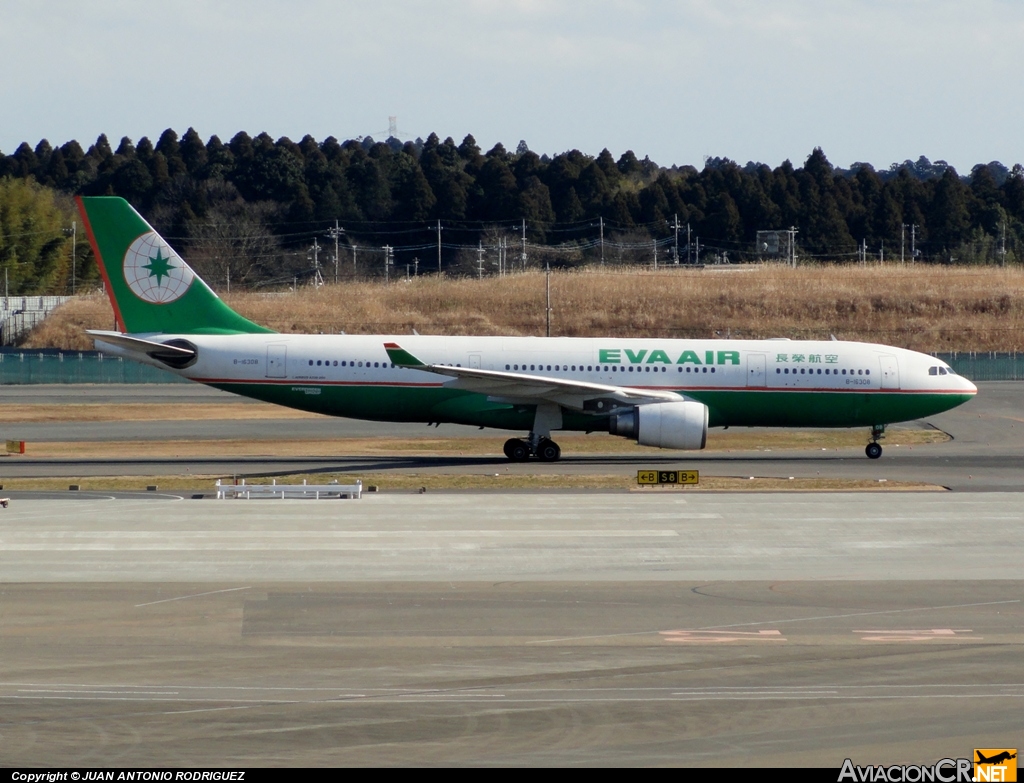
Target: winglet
[401,357]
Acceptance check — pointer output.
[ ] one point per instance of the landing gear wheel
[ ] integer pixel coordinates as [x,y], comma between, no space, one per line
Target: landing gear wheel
[548,451]
[517,450]
[873,450]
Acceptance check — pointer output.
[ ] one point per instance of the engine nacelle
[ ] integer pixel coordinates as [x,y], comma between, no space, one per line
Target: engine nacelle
[667,425]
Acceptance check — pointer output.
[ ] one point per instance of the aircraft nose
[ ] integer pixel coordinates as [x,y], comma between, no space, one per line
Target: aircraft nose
[969,387]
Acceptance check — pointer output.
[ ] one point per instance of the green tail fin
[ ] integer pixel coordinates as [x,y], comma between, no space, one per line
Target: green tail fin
[151,288]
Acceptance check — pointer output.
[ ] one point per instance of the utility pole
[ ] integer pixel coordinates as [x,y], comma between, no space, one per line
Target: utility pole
[675,249]
[1002,245]
[334,233]
[439,246]
[602,239]
[903,240]
[547,290]
[523,259]
[354,249]
[314,251]
[388,261]
[480,260]
[696,250]
[228,273]
[655,255]
[416,266]
[72,232]
[913,247]
[792,245]
[881,252]
[687,243]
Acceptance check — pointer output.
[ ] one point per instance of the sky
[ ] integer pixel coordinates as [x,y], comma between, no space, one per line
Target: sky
[876,81]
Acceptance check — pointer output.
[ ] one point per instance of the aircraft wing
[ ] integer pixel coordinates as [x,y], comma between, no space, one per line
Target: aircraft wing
[596,398]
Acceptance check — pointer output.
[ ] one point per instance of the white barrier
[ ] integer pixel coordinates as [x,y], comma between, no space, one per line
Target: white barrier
[282,491]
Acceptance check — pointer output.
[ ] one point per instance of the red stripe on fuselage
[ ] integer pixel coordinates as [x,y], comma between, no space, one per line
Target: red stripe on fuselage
[118,320]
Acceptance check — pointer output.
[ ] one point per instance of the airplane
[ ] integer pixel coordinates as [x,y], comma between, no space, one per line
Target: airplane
[657,392]
[996,759]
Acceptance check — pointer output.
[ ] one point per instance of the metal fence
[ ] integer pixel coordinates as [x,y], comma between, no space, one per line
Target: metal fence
[987,366]
[19,314]
[49,366]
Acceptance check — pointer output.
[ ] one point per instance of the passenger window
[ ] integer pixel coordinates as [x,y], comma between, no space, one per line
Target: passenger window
[705,369]
[867,372]
[311,364]
[712,369]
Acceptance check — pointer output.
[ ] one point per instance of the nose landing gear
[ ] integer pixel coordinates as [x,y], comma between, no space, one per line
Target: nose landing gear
[874,448]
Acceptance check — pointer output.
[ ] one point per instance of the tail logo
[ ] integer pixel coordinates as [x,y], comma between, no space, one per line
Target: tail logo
[154,272]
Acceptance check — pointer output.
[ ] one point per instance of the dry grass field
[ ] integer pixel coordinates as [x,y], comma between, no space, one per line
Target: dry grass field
[925,308]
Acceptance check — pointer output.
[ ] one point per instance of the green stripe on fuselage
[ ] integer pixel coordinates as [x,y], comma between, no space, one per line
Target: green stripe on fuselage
[735,408]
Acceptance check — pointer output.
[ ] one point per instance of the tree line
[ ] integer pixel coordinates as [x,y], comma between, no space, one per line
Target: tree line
[250,209]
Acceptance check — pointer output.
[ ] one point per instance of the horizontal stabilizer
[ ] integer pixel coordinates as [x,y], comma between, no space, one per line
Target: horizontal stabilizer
[174,353]
[137,343]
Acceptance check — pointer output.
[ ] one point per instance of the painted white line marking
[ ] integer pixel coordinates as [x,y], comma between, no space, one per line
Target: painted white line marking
[779,622]
[196,595]
[864,614]
[117,693]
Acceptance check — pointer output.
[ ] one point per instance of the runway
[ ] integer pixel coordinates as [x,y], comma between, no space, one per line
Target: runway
[566,628]
[516,537]
[984,455]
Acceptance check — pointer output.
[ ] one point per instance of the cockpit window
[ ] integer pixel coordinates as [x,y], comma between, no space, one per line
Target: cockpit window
[942,371]
[933,370]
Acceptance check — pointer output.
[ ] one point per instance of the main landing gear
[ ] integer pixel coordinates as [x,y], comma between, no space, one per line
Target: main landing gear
[547,418]
[520,450]
[874,448]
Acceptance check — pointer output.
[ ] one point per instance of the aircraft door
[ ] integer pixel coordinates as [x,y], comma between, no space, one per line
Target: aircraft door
[890,372]
[755,370]
[474,361]
[277,361]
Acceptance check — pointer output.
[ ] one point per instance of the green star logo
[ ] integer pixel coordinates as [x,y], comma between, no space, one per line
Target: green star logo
[158,267]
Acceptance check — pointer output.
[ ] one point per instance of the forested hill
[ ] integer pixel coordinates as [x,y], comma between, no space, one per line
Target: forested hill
[245,204]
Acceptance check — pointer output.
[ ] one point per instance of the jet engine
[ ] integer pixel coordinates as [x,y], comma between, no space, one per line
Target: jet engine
[667,425]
